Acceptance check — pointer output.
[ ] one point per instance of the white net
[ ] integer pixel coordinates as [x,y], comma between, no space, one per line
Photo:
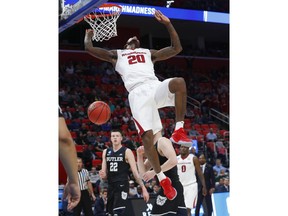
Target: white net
[103,21]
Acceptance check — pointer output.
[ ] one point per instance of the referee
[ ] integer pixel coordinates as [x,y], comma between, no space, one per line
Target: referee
[86,191]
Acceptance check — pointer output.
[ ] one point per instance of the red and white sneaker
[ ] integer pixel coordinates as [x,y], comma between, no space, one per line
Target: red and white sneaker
[180,137]
[169,191]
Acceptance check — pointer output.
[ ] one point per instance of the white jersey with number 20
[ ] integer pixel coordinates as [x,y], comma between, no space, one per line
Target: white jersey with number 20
[135,67]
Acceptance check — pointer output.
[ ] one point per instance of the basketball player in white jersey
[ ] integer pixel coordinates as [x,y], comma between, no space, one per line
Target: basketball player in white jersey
[187,165]
[147,94]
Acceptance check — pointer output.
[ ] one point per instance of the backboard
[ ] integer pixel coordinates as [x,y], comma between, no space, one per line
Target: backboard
[73,10]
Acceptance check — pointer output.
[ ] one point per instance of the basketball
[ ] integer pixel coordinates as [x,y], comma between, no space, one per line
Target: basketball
[99,112]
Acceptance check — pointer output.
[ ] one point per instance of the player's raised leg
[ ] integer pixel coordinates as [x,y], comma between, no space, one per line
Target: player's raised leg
[152,155]
[178,87]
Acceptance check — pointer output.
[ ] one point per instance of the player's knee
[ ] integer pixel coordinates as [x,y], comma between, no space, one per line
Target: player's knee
[181,83]
[177,85]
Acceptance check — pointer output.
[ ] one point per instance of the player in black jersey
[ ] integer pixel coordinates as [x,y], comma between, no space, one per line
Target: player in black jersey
[116,162]
[168,162]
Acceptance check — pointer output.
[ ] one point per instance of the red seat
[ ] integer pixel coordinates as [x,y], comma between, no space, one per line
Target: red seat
[96,162]
[99,154]
[226,135]
[73,134]
[214,126]
[205,127]
[85,120]
[124,127]
[68,121]
[193,137]
[187,121]
[130,133]
[222,132]
[170,121]
[200,138]
[211,146]
[197,127]
[221,150]
[79,148]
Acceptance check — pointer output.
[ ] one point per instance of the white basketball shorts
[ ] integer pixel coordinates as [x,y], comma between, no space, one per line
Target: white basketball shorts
[190,195]
[145,100]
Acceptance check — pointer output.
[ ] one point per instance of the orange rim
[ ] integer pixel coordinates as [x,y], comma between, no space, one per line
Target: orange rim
[93,16]
[108,14]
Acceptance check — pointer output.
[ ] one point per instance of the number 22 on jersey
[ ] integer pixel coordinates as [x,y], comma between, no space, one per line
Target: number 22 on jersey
[114,167]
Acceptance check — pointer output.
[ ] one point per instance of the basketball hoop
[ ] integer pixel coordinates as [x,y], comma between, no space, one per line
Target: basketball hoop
[103,21]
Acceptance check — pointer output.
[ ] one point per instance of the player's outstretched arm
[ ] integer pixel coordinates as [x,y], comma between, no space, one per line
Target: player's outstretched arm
[175,48]
[102,54]
[132,163]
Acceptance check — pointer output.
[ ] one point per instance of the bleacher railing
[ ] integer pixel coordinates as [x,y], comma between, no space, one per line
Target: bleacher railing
[219,116]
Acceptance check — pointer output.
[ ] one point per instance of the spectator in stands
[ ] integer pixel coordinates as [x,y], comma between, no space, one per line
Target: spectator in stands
[132,189]
[193,151]
[218,167]
[162,114]
[128,143]
[115,123]
[99,144]
[155,190]
[69,68]
[193,131]
[81,112]
[113,93]
[101,203]
[74,125]
[112,106]
[94,177]
[88,156]
[127,117]
[189,113]
[67,114]
[80,139]
[148,186]
[169,130]
[205,104]
[223,186]
[90,138]
[118,111]
[211,136]
[222,174]
[226,185]
[84,128]
[131,126]
[106,126]
[139,192]
[219,186]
